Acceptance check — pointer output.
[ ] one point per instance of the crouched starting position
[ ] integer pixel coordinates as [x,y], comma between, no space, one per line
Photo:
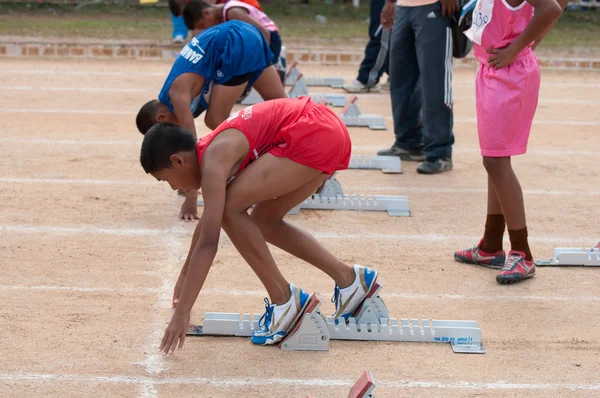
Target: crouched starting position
[272,156]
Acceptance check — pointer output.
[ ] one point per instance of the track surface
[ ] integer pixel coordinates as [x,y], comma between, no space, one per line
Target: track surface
[91,249]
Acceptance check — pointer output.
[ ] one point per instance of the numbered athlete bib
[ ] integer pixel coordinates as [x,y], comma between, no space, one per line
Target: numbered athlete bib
[482,15]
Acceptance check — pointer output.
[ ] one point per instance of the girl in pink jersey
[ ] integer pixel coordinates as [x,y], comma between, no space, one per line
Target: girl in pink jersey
[199,15]
[505,33]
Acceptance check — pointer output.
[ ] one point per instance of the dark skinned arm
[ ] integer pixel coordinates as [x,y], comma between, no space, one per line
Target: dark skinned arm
[183,273]
[203,254]
[241,14]
[218,160]
[562,4]
[181,99]
[545,15]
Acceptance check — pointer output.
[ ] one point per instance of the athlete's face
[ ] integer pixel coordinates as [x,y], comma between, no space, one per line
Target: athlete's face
[181,175]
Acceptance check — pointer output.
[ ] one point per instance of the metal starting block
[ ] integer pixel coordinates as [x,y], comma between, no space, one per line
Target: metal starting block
[363,388]
[387,164]
[313,331]
[330,196]
[352,117]
[292,75]
[573,257]
[299,89]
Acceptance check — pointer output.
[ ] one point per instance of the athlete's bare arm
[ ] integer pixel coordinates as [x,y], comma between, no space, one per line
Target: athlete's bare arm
[218,163]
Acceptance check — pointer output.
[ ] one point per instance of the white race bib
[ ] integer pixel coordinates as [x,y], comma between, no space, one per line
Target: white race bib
[482,15]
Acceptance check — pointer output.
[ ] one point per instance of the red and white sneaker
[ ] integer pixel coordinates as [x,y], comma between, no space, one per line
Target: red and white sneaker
[516,268]
[475,255]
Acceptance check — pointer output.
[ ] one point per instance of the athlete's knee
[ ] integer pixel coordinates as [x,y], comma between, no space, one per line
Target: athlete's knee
[267,221]
[495,165]
[213,120]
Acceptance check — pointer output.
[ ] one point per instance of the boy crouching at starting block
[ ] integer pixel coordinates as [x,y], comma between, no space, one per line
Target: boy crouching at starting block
[219,64]
[272,156]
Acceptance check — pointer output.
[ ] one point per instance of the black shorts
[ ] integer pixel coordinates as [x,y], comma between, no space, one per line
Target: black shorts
[237,80]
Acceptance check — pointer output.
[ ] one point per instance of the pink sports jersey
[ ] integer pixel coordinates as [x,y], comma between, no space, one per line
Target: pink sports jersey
[254,12]
[496,25]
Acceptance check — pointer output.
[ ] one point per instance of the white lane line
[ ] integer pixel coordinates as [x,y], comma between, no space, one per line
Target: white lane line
[540,192]
[572,240]
[70,72]
[67,110]
[82,230]
[543,122]
[440,237]
[69,142]
[361,149]
[165,293]
[237,382]
[56,288]
[77,89]
[74,181]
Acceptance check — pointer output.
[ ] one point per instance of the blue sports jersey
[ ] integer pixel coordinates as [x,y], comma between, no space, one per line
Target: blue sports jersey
[229,49]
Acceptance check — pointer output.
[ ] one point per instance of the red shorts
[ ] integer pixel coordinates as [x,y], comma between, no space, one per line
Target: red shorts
[318,139]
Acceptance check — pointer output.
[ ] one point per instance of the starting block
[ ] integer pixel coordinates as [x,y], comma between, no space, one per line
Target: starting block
[363,388]
[352,117]
[293,73]
[313,331]
[387,164]
[299,88]
[589,257]
[330,196]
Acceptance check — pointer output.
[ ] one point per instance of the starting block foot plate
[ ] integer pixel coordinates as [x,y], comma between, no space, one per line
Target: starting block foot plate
[575,257]
[387,164]
[309,332]
[364,386]
[352,117]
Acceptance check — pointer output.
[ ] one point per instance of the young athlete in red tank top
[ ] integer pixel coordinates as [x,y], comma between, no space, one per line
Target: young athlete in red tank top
[272,156]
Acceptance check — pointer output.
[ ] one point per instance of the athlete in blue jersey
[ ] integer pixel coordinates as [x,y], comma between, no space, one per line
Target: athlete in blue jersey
[222,62]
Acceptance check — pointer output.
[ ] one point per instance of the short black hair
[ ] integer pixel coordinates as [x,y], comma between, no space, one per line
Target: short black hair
[174,8]
[162,141]
[192,12]
[146,116]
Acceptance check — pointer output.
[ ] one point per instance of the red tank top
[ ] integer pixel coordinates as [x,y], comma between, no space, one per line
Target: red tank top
[261,124]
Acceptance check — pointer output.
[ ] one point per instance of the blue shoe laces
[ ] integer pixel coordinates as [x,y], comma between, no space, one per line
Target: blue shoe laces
[266,317]
[336,296]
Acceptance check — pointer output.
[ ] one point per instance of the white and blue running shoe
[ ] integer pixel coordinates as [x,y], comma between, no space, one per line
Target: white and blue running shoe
[348,299]
[278,319]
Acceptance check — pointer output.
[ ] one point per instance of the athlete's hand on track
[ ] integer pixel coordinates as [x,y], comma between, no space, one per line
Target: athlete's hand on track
[174,336]
[189,208]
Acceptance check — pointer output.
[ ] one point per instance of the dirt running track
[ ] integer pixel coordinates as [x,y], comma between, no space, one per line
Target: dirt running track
[91,249]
